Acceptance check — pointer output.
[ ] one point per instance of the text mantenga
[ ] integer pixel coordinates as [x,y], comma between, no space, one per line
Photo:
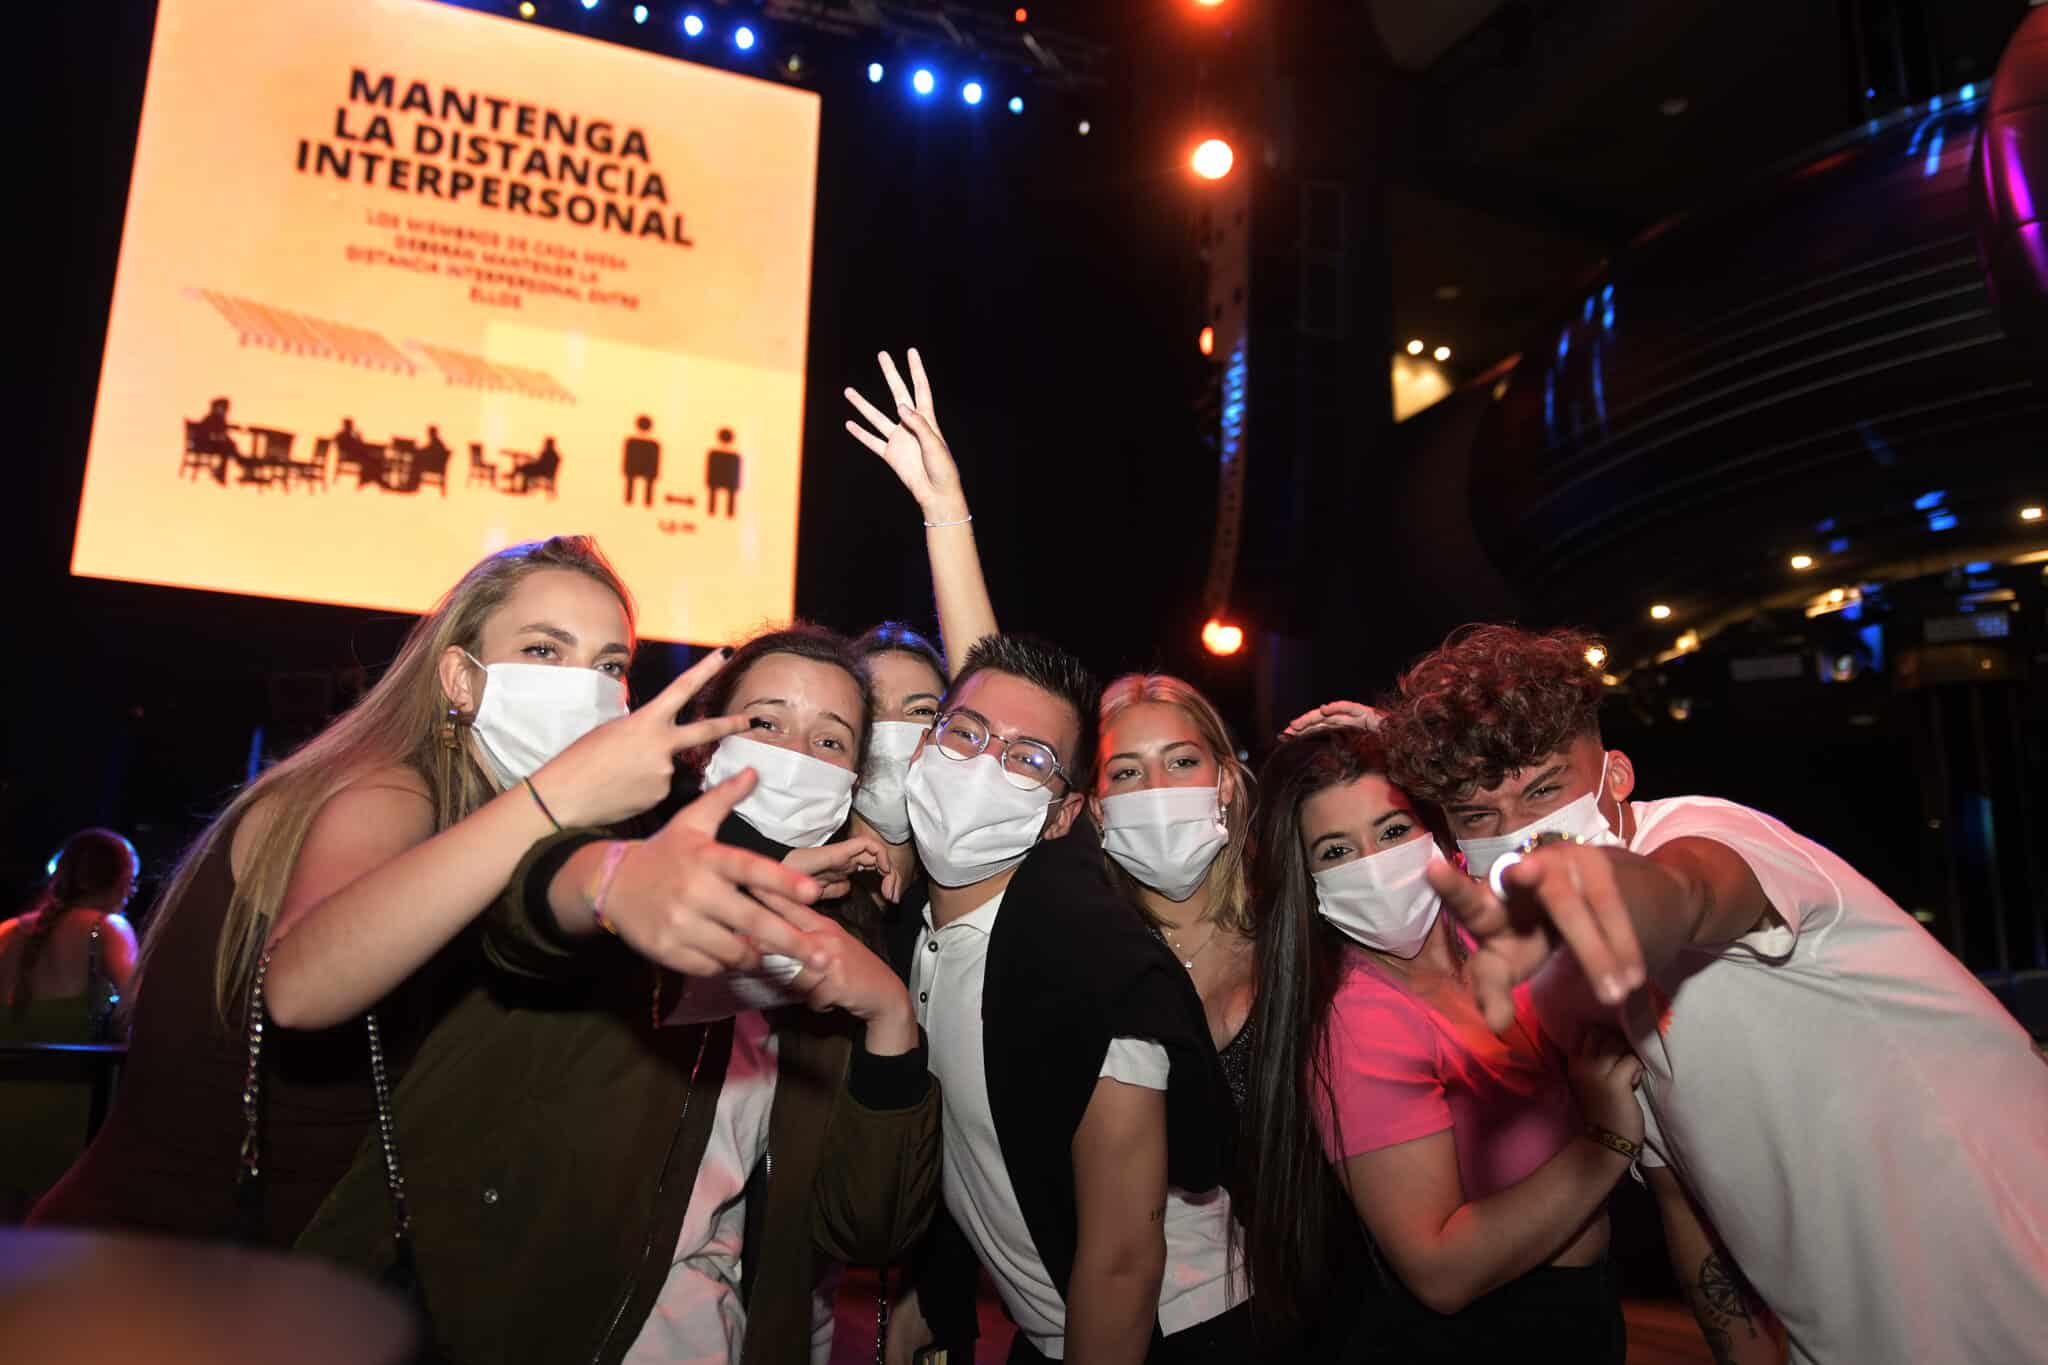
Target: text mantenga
[487,150]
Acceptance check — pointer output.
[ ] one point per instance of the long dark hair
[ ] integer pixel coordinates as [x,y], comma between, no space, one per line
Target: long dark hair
[89,869]
[1290,1225]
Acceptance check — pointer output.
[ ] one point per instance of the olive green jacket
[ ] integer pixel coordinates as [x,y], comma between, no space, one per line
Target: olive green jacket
[550,1136]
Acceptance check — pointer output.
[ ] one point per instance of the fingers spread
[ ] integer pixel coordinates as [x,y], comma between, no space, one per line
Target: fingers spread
[882,425]
[894,380]
[865,437]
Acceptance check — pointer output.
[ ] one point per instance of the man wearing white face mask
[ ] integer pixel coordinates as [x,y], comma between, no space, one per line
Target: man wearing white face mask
[1832,1089]
[1081,1083]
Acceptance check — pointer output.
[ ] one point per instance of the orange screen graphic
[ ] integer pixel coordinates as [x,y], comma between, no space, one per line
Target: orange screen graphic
[402,284]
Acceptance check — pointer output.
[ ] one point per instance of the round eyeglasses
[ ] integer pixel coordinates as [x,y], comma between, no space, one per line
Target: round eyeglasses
[1027,763]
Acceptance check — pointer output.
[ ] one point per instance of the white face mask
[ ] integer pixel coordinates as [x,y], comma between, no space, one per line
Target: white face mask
[1384,900]
[1581,819]
[798,801]
[531,712]
[1166,837]
[970,821]
[880,799]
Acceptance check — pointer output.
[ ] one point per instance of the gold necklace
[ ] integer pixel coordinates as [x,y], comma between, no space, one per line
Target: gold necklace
[1187,959]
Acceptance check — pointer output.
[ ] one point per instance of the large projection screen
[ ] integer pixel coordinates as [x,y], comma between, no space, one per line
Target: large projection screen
[461,282]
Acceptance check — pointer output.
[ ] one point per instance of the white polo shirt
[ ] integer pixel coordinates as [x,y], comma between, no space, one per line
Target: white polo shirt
[1862,1122]
[947,976]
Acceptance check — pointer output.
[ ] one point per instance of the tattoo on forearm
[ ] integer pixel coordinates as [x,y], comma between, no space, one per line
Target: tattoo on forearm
[1157,1215]
[1725,1307]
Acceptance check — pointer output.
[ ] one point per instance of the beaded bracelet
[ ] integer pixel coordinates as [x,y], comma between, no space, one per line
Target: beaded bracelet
[613,856]
[1614,1142]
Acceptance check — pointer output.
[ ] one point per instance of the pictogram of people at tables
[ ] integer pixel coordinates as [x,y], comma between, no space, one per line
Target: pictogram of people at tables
[263,457]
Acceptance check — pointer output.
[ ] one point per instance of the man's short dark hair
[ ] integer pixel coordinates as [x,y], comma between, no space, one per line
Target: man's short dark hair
[1050,669]
[1489,702]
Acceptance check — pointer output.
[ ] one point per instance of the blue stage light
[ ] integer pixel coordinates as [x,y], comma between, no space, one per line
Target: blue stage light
[743,38]
[693,25]
[639,14]
[875,73]
[971,92]
[1016,104]
[922,81]
[1928,501]
[590,4]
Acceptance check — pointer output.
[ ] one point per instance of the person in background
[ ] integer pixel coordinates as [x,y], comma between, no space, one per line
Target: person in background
[1857,1121]
[345,876]
[64,964]
[1481,1181]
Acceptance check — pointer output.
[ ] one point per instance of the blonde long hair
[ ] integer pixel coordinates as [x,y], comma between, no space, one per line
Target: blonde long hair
[398,722]
[1230,902]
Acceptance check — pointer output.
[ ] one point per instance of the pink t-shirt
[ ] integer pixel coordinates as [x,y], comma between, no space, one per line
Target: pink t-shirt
[1400,1070]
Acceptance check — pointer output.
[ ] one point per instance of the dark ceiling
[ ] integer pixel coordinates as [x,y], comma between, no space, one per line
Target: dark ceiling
[1549,134]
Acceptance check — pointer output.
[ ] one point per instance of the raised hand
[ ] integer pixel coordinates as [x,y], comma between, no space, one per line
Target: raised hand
[1335,715]
[910,443]
[696,906]
[834,865]
[625,766]
[1561,893]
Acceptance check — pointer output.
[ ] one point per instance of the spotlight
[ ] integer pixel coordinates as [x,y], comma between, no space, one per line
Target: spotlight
[1415,346]
[526,9]
[1084,127]
[1212,160]
[1022,15]
[590,4]
[875,73]
[923,81]
[1221,639]
[971,92]
[1660,612]
[1596,655]
[2030,513]
[1016,104]
[794,64]
[1802,562]
[1206,341]
[743,38]
[639,14]
[1680,709]
[1442,353]
[693,25]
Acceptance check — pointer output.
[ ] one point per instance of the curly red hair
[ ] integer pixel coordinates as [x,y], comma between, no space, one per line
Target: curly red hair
[1489,702]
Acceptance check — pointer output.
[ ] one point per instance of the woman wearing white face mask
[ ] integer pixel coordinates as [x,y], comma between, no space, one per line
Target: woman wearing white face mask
[780,1119]
[1174,804]
[353,862]
[909,679]
[1472,1166]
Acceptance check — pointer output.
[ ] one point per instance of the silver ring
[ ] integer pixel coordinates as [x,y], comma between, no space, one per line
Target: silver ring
[1530,845]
